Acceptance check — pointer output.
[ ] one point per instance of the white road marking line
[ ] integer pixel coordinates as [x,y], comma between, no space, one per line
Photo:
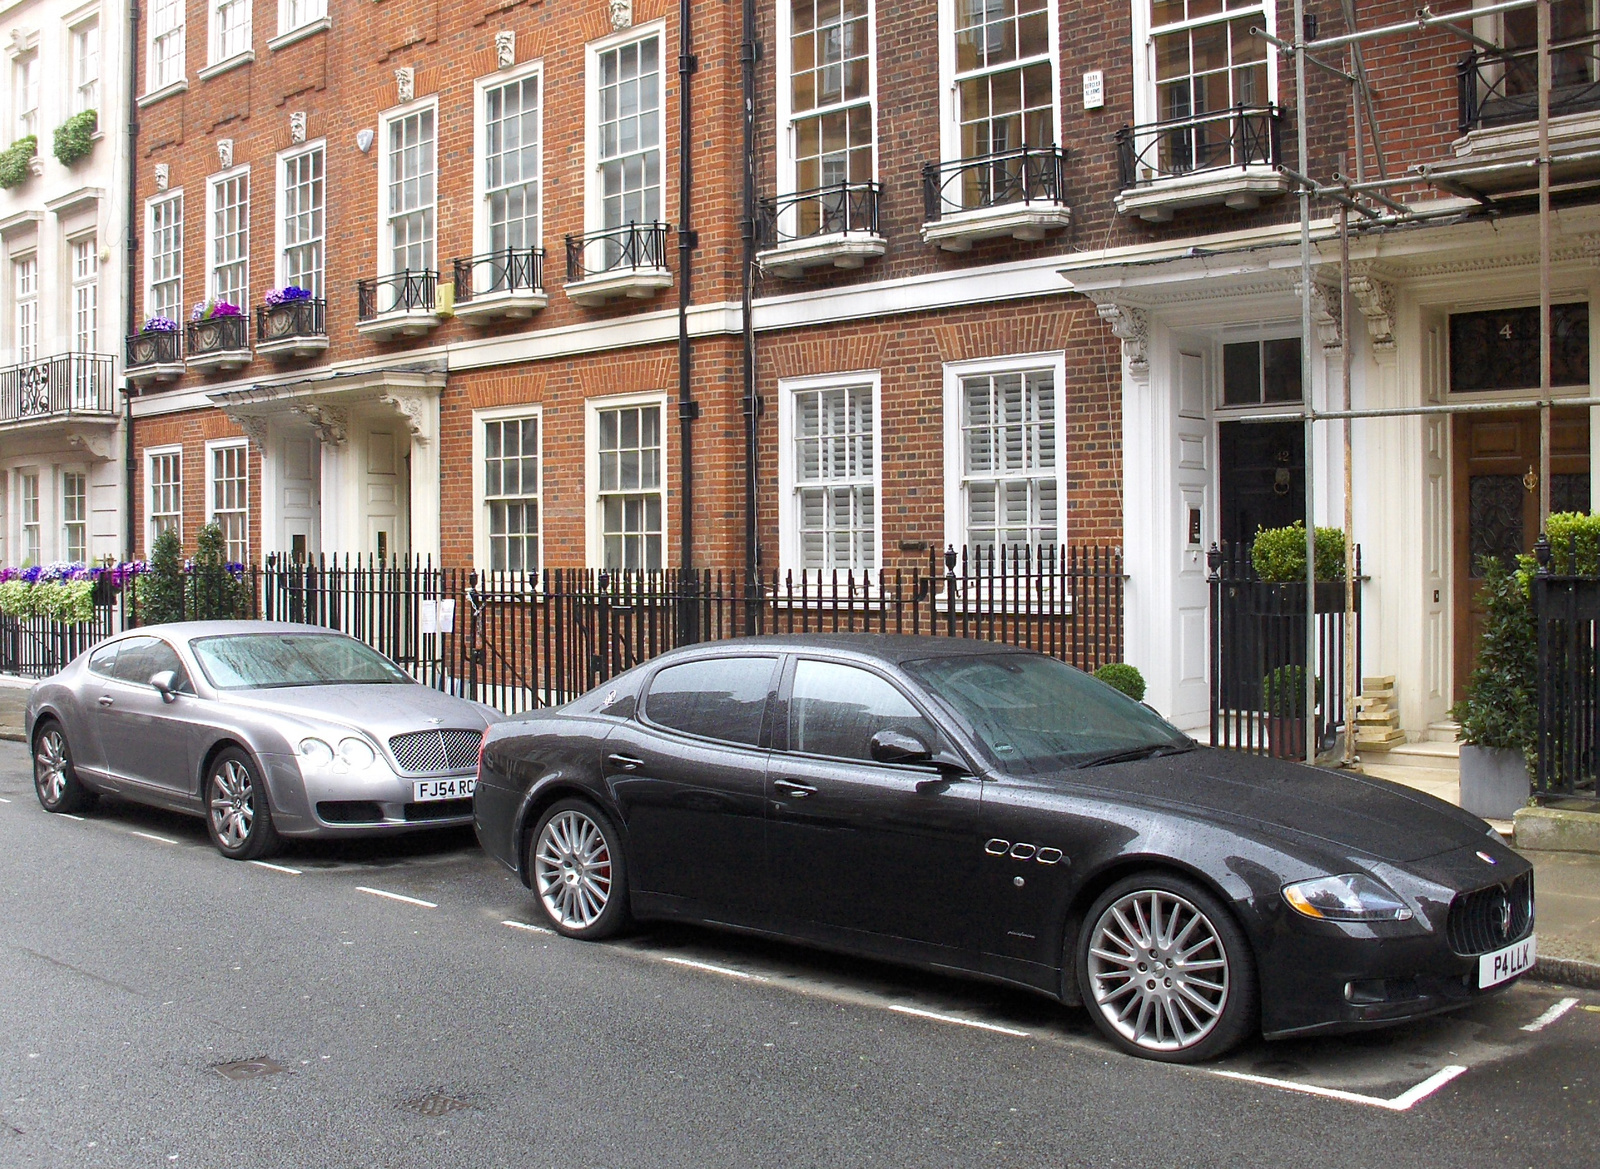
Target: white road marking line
[921,1014]
[1401,1103]
[398,897]
[1551,1015]
[3,800]
[151,836]
[714,969]
[70,816]
[277,868]
[522,925]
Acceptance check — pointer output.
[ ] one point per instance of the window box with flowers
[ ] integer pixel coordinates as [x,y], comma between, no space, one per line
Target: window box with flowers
[19,162]
[292,323]
[75,137]
[217,337]
[155,353]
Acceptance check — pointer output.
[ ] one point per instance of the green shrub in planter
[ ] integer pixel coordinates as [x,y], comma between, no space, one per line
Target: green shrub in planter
[14,161]
[1123,677]
[1569,528]
[1279,554]
[68,601]
[1500,705]
[75,137]
[219,595]
[1283,691]
[159,591]
[16,598]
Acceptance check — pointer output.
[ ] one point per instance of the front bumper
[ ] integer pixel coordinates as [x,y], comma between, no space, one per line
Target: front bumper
[374,800]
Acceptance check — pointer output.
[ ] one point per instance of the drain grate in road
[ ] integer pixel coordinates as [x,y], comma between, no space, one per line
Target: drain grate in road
[248,1069]
[435,1104]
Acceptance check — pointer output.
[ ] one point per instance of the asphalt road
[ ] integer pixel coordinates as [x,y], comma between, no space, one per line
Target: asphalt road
[436,1032]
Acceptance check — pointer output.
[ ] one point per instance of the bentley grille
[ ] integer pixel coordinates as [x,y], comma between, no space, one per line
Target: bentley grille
[426,752]
[1487,919]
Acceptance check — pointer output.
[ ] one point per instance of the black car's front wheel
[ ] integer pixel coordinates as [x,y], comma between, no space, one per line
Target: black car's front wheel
[577,870]
[237,815]
[54,780]
[1165,971]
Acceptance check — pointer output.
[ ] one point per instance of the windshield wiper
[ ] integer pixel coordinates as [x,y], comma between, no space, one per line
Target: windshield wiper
[1148,751]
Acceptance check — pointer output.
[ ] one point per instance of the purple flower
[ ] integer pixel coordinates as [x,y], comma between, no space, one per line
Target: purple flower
[224,309]
[285,295]
[161,325]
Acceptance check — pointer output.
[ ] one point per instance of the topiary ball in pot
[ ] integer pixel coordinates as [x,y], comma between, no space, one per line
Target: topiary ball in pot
[1123,677]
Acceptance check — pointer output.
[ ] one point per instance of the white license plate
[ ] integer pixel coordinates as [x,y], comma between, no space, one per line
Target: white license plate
[1495,968]
[428,790]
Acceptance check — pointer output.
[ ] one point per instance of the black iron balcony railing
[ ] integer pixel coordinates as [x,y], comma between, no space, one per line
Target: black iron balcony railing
[616,249]
[70,383]
[410,290]
[1243,136]
[840,209]
[290,320]
[154,348]
[1027,175]
[216,335]
[1501,87]
[508,271]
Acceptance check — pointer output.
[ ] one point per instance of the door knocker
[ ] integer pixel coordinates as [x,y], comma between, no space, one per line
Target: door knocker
[1531,480]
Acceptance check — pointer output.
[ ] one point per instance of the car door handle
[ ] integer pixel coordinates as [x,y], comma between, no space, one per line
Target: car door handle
[625,762]
[106,700]
[798,791]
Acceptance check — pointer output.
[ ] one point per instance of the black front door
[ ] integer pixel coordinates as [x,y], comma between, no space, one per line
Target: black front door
[1261,477]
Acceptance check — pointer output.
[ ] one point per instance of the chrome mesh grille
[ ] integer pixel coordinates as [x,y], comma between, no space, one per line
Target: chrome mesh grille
[1487,919]
[426,752]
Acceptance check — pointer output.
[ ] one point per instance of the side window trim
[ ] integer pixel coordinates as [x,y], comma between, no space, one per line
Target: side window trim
[641,705]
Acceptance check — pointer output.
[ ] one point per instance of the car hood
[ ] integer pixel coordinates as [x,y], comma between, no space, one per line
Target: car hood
[1353,812]
[380,711]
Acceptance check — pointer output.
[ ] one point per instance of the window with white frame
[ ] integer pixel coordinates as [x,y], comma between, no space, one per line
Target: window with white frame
[1004,76]
[511,122]
[28,496]
[410,193]
[1005,447]
[228,277]
[164,252]
[630,504]
[25,285]
[230,29]
[74,516]
[829,44]
[228,497]
[166,492]
[628,135]
[302,194]
[25,92]
[293,14]
[85,66]
[1203,67]
[511,493]
[166,44]
[832,486]
[85,294]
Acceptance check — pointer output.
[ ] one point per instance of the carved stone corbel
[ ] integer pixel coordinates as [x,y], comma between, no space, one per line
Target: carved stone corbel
[97,444]
[414,409]
[1325,313]
[332,425]
[1374,296]
[253,425]
[1131,326]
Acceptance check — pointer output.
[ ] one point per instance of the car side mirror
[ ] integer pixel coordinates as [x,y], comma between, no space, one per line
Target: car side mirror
[166,684]
[892,746]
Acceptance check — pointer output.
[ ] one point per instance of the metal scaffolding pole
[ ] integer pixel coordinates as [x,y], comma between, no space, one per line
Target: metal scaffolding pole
[1302,139]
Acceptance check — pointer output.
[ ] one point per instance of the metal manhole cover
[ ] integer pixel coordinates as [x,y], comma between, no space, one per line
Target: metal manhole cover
[248,1069]
[435,1104]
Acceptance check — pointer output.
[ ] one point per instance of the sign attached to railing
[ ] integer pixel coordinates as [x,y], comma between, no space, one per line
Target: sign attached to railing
[436,616]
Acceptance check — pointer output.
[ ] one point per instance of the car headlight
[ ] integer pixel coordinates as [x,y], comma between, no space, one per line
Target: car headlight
[316,753]
[356,753]
[1352,897]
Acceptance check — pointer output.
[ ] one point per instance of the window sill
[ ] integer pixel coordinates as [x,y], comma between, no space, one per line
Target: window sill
[289,36]
[179,86]
[233,62]
[790,260]
[1239,188]
[957,231]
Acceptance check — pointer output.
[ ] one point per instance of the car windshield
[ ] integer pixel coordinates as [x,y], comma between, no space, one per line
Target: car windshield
[261,661]
[1035,714]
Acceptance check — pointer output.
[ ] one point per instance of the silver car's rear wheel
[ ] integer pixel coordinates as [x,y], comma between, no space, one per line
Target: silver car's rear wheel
[1166,971]
[237,815]
[576,869]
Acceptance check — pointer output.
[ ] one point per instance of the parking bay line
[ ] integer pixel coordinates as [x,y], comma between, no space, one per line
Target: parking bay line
[3,800]
[1550,1016]
[921,1014]
[1400,1103]
[151,836]
[398,897]
[277,868]
[522,925]
[712,968]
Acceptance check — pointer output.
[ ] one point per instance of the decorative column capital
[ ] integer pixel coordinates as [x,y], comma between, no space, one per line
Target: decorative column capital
[1131,326]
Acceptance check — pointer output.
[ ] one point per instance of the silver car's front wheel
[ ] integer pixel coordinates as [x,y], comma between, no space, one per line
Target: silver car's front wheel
[1166,971]
[236,807]
[54,780]
[576,870]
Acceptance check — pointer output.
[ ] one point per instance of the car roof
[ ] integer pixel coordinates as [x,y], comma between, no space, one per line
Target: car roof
[885,648]
[183,631]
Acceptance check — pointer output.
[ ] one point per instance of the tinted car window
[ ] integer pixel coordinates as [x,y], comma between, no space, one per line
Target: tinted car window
[263,661]
[719,698]
[162,656]
[104,660]
[836,709]
[133,660]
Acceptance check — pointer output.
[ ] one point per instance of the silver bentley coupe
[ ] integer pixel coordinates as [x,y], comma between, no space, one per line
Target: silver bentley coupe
[267,730]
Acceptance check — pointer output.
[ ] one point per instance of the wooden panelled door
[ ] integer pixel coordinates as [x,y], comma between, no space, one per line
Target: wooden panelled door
[1496,491]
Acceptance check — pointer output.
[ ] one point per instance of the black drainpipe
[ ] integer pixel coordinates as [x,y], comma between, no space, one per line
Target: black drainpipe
[130,488]
[749,53]
[688,408]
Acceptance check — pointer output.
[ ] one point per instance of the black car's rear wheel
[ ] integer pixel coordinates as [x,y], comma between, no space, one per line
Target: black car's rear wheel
[237,815]
[54,780]
[1165,970]
[577,870]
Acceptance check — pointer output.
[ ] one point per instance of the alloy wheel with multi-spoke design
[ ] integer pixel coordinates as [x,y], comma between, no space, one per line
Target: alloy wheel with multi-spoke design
[572,869]
[50,767]
[233,803]
[1158,970]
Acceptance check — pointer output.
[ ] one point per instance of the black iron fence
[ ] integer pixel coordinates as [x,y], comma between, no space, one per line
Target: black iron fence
[518,640]
[629,247]
[509,270]
[292,320]
[1028,175]
[215,335]
[70,383]
[411,289]
[154,347]
[838,209]
[1239,137]
[1499,87]
[1258,657]
[1567,613]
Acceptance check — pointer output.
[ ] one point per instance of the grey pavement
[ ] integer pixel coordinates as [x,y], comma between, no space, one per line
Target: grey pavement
[443,1032]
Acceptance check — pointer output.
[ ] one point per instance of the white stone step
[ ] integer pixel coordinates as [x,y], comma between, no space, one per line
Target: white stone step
[1425,754]
[1443,732]
[1435,781]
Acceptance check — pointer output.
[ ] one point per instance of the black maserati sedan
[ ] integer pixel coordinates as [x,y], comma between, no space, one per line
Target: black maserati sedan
[983,810]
